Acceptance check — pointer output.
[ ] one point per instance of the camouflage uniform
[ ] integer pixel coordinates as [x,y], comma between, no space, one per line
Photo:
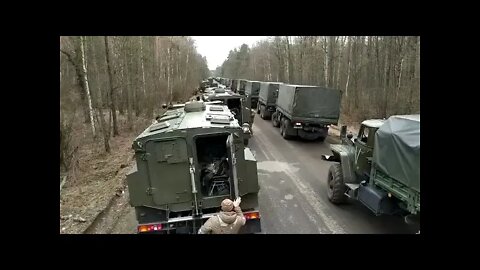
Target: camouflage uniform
[228,221]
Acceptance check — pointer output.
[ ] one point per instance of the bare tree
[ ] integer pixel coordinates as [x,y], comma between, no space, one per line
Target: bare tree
[87,90]
[103,126]
[112,91]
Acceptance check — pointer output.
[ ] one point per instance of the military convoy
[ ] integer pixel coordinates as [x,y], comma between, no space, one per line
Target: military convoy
[379,167]
[196,155]
[187,162]
[236,104]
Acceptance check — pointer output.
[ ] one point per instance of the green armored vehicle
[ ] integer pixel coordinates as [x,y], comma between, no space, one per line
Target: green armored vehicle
[186,164]
[252,89]
[380,167]
[236,104]
[306,111]
[267,99]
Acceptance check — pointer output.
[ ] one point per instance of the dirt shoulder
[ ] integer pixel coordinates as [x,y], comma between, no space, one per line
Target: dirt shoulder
[95,179]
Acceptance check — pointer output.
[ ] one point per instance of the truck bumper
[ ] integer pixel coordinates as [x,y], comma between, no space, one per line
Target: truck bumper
[190,225]
[312,133]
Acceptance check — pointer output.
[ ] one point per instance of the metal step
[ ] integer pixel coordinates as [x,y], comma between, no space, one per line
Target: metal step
[350,192]
[352,186]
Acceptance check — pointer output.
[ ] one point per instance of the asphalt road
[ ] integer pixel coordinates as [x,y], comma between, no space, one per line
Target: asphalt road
[293,192]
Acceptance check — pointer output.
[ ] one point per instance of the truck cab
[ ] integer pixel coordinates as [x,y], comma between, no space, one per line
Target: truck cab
[364,143]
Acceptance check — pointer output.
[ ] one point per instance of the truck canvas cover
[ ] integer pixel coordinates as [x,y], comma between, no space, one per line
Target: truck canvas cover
[252,88]
[397,149]
[267,92]
[309,101]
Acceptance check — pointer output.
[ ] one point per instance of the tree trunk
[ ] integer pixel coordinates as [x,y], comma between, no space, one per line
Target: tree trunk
[386,76]
[186,71]
[143,69]
[349,65]
[300,60]
[105,130]
[76,62]
[87,90]
[112,91]
[134,72]
[168,73]
[126,74]
[269,67]
[291,75]
[340,53]
[399,81]
[331,60]
[417,62]
[325,61]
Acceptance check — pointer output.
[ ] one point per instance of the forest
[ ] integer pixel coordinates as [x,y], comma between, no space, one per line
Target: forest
[379,76]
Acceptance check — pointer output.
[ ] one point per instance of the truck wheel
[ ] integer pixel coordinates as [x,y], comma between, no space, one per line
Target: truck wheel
[283,128]
[335,186]
[321,139]
[275,122]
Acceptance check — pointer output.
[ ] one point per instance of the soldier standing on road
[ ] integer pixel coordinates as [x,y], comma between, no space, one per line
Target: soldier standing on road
[229,221]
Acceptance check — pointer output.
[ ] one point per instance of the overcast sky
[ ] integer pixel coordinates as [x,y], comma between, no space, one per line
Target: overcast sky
[216,48]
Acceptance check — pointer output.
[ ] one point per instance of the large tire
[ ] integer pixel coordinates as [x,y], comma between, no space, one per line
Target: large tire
[321,139]
[283,128]
[275,122]
[335,186]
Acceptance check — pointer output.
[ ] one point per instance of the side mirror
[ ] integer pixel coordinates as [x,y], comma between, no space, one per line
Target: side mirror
[164,106]
[350,136]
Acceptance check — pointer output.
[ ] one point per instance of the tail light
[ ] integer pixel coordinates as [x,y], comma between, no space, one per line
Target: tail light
[252,215]
[297,125]
[149,228]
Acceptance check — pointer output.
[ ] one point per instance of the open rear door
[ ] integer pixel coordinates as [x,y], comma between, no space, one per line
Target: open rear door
[233,165]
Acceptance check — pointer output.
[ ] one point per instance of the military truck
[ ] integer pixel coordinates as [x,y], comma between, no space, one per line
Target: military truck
[186,164]
[235,85]
[306,111]
[267,99]
[380,167]
[236,104]
[252,89]
[203,85]
[228,83]
[241,86]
